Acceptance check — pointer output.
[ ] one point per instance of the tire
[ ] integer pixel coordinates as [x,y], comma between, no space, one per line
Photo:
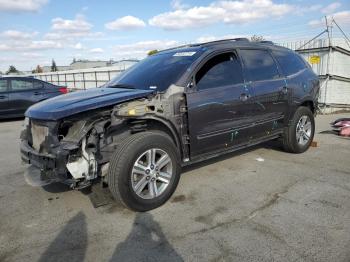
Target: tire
[292,140]
[135,151]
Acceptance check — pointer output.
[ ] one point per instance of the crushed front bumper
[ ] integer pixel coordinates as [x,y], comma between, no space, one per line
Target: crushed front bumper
[51,167]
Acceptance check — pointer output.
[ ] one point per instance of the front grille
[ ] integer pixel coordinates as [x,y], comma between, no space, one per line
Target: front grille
[39,134]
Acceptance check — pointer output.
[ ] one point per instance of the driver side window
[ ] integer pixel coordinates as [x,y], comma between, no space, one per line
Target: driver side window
[221,70]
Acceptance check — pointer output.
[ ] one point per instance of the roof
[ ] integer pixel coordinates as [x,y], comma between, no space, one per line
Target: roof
[226,43]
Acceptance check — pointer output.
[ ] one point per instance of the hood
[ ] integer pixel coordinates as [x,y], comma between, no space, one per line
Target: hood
[80,101]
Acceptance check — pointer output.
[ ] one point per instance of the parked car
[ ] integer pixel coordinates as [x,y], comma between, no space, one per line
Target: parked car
[18,93]
[174,108]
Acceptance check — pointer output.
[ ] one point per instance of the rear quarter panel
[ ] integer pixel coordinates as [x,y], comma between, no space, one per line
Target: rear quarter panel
[304,87]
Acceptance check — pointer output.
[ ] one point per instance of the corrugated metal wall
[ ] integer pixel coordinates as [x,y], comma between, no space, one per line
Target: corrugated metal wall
[332,64]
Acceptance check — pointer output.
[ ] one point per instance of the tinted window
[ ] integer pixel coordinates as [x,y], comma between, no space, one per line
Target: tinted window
[3,85]
[221,70]
[291,63]
[21,84]
[259,65]
[157,71]
[38,84]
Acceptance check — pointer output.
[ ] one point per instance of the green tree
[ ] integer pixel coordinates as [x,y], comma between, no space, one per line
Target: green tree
[12,70]
[152,52]
[257,38]
[53,66]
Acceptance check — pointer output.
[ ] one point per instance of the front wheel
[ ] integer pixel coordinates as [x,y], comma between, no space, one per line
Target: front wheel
[300,132]
[144,171]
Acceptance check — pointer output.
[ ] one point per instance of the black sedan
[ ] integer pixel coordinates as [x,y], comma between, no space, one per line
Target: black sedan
[19,93]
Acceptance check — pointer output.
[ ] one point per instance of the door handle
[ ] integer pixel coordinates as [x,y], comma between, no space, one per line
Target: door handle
[3,97]
[244,97]
[37,93]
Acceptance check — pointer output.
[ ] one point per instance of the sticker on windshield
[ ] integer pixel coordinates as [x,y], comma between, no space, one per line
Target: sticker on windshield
[184,54]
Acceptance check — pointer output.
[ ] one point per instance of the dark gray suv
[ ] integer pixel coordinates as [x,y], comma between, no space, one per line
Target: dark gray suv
[174,108]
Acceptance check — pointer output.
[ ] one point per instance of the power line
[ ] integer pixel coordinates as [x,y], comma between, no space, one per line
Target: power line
[346,37]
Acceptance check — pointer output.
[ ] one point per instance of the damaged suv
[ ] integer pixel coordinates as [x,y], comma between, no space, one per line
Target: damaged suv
[174,108]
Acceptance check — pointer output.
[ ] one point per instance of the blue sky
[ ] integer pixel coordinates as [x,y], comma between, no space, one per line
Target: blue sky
[36,31]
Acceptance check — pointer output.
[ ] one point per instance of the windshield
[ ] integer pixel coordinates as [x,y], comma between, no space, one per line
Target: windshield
[156,72]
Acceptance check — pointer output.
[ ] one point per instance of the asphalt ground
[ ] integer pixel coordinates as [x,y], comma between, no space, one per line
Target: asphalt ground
[285,207]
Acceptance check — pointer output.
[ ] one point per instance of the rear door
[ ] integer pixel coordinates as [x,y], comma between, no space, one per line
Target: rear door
[218,105]
[23,94]
[4,96]
[270,94]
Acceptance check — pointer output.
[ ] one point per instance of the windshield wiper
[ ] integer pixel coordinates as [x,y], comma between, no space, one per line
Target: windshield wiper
[121,86]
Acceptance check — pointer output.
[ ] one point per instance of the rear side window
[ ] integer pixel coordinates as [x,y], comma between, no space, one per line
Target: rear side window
[18,85]
[38,84]
[3,85]
[221,70]
[291,63]
[259,65]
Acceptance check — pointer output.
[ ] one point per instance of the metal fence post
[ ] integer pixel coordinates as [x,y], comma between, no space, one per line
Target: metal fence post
[84,80]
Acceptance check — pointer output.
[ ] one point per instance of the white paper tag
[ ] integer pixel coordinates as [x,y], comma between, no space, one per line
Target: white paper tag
[184,54]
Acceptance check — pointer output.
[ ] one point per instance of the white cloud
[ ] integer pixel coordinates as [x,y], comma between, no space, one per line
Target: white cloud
[79,24]
[342,18]
[125,23]
[30,45]
[229,12]
[17,35]
[69,30]
[177,5]
[22,5]
[140,49]
[331,8]
[78,46]
[97,50]
[31,55]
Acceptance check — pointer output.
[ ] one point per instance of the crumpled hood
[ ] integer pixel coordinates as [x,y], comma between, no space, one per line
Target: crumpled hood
[80,101]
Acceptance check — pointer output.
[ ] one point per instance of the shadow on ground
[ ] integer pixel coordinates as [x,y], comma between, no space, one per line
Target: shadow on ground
[56,188]
[14,119]
[70,244]
[145,242]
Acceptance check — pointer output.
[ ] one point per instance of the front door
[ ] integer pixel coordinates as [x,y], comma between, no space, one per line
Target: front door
[218,105]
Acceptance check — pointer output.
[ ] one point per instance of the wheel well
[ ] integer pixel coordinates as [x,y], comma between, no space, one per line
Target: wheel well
[151,124]
[310,105]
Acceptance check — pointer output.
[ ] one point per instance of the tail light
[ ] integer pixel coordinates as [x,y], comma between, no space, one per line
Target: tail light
[63,90]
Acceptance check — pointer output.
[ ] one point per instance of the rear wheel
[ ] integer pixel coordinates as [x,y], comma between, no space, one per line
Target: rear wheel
[299,134]
[144,171]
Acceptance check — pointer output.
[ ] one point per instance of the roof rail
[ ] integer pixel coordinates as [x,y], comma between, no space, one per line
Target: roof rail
[224,40]
[207,43]
[267,42]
